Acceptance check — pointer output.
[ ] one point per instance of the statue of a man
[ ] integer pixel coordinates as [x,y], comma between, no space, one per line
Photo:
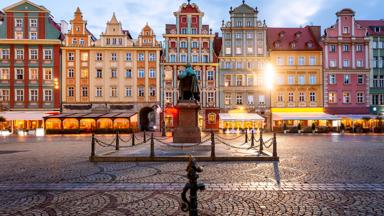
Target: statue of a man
[189,85]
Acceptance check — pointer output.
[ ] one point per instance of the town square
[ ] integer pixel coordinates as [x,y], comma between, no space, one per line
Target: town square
[191,107]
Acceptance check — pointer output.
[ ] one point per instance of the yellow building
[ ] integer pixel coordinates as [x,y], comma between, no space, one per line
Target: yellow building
[111,82]
[297,92]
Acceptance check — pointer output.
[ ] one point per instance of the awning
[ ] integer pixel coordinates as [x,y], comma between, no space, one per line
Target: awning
[304,116]
[357,117]
[93,115]
[25,115]
[240,117]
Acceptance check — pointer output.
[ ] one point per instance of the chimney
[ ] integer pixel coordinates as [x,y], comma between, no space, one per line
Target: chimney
[64,26]
[316,31]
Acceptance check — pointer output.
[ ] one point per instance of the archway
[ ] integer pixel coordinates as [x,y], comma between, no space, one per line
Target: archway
[147,118]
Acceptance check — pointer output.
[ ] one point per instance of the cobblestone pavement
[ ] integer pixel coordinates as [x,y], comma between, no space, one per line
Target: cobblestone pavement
[321,175]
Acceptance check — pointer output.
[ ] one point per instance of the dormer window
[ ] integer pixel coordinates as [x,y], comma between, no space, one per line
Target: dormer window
[376,29]
[78,29]
[309,44]
[281,34]
[277,45]
[293,45]
[297,34]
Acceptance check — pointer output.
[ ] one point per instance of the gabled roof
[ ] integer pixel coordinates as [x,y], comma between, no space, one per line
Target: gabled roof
[370,24]
[244,9]
[114,19]
[346,11]
[127,33]
[284,37]
[27,6]
[169,28]
[189,8]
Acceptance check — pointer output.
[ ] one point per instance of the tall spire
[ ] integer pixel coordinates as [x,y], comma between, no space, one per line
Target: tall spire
[113,19]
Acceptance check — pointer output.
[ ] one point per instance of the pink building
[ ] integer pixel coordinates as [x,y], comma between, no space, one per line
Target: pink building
[346,66]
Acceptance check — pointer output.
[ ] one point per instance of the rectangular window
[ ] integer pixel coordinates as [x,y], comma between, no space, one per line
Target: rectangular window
[99,92]
[195,44]
[152,57]
[359,48]
[301,79]
[141,73]
[128,73]
[99,73]
[374,44]
[312,60]
[346,63]
[152,91]
[99,56]
[4,74]
[33,23]
[360,97]
[114,57]
[210,75]
[183,58]
[250,80]
[301,60]
[194,31]
[183,44]
[71,73]
[346,48]
[113,73]
[280,61]
[18,22]
[227,100]
[210,97]
[128,56]
[84,73]
[140,92]
[332,48]
[19,95]
[346,97]
[345,30]
[332,63]
[239,80]
[228,50]
[312,79]
[33,35]
[359,63]
[71,56]
[172,58]
[205,58]
[238,50]
[332,79]
[19,54]
[195,58]
[239,99]
[332,97]
[84,91]
[33,74]
[113,92]
[4,95]
[128,91]
[168,97]
[33,95]
[5,54]
[47,73]
[47,95]
[347,79]
[291,60]
[70,92]
[19,75]
[301,97]
[33,54]
[312,97]
[290,97]
[19,35]
[152,73]
[360,79]
[280,97]
[291,80]
[47,54]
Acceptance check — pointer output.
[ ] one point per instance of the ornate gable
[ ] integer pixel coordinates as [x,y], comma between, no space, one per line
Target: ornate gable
[26,5]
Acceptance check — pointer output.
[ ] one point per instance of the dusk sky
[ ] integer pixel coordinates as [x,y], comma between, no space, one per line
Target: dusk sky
[135,13]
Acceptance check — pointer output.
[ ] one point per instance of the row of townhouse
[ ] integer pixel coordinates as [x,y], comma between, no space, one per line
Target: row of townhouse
[117,82]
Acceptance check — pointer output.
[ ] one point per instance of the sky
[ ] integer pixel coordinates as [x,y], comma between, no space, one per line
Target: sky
[134,14]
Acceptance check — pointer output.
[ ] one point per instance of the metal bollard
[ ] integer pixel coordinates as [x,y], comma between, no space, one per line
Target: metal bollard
[261,142]
[152,146]
[246,136]
[117,141]
[274,145]
[213,153]
[191,204]
[163,131]
[145,138]
[133,138]
[93,145]
[252,139]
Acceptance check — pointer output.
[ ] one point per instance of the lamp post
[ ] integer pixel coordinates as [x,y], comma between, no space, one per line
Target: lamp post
[269,74]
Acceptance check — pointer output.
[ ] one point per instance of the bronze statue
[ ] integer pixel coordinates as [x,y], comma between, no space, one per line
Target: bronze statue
[188,85]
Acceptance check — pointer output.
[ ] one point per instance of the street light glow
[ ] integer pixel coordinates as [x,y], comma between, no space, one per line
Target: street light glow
[269,75]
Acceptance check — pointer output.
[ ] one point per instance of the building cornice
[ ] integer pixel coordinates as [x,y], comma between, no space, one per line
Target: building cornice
[32,42]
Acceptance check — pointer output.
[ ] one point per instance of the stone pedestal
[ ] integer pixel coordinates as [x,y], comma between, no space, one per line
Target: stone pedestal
[187,130]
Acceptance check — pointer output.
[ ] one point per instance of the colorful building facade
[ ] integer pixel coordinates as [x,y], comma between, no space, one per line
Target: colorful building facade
[347,69]
[30,88]
[114,74]
[297,93]
[189,41]
[376,36]
[242,59]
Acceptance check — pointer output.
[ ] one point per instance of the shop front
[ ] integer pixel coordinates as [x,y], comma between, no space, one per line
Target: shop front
[360,123]
[237,121]
[307,120]
[23,122]
[73,123]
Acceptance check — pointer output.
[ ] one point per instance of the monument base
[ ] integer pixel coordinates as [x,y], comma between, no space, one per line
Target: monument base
[187,130]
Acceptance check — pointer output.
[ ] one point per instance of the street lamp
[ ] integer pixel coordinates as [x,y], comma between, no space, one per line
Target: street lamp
[269,74]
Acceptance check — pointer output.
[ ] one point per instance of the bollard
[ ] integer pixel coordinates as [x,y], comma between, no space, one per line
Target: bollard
[213,153]
[261,142]
[145,138]
[93,145]
[152,146]
[274,145]
[191,204]
[252,139]
[117,141]
[163,134]
[133,138]
[246,135]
